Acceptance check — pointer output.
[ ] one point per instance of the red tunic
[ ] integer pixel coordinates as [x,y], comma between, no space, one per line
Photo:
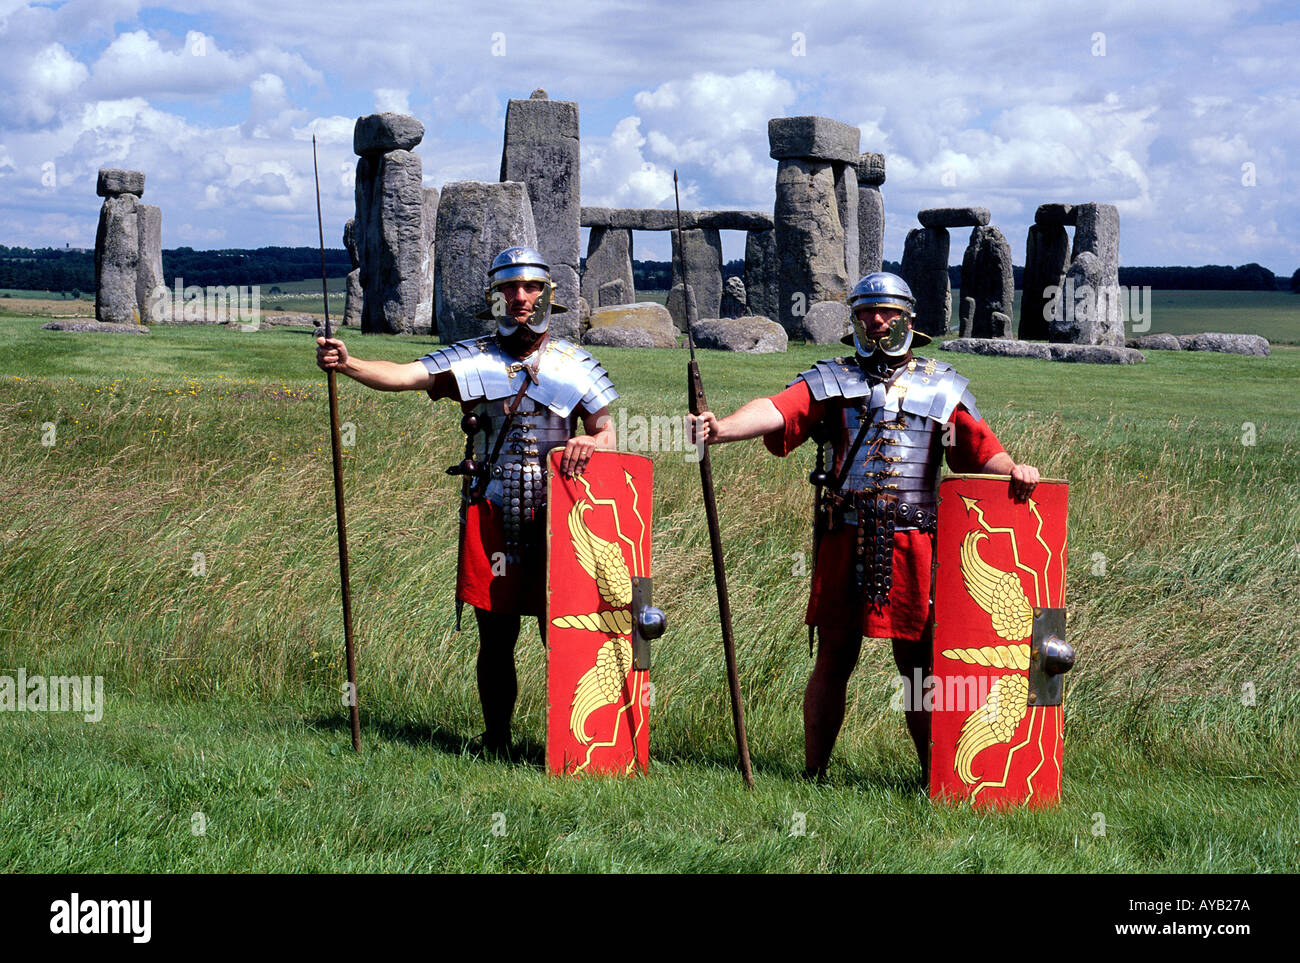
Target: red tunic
[834,590]
[483,577]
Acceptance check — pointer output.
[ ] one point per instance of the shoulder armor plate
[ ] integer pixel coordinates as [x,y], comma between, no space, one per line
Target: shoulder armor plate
[929,389]
[835,378]
[568,376]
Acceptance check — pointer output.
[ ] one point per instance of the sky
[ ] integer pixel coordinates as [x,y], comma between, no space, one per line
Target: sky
[1184,115]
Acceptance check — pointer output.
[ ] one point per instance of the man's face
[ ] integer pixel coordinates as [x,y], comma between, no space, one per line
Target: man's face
[520,297]
[874,320]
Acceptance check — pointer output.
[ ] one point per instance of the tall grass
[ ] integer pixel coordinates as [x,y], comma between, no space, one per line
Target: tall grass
[177,538]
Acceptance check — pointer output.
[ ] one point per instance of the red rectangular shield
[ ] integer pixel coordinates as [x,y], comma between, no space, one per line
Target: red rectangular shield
[996,716]
[598,546]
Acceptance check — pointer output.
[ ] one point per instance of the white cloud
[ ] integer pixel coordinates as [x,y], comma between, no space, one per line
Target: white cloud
[392,99]
[137,64]
[1014,105]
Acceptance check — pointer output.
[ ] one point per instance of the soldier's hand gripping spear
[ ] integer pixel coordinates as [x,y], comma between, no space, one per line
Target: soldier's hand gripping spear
[336,449]
[697,404]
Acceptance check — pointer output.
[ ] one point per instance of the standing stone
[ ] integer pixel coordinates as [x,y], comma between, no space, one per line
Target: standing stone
[925,269]
[392,242]
[762,274]
[1047,255]
[871,213]
[609,258]
[149,271]
[703,262]
[350,241]
[354,299]
[428,227]
[476,221]
[354,295]
[1084,313]
[1090,312]
[541,151]
[809,240]
[846,197]
[733,298]
[827,322]
[987,277]
[967,317]
[612,293]
[1097,230]
[117,257]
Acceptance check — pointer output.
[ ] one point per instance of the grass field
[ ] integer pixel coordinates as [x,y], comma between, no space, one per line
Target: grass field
[176,537]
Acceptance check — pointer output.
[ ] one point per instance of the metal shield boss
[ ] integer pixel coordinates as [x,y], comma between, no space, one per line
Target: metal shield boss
[599,613]
[996,692]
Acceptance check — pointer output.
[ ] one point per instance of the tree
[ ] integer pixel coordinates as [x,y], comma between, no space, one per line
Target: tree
[1295,282]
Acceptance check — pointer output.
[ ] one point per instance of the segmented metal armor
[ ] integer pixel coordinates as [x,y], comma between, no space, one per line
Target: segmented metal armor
[488,378]
[881,427]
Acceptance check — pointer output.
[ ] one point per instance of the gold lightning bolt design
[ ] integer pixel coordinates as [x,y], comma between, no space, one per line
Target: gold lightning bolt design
[973,504]
[613,507]
[1033,510]
[1029,782]
[640,561]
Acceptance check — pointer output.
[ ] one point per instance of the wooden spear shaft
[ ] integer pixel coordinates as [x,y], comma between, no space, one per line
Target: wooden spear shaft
[697,403]
[340,516]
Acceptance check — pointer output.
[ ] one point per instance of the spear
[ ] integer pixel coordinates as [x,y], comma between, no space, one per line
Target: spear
[695,399]
[336,449]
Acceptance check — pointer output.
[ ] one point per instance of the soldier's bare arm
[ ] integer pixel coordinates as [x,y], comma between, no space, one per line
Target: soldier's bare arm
[332,355]
[600,434]
[1024,478]
[754,418]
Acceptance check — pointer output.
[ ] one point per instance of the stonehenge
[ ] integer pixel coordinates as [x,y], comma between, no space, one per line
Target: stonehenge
[988,290]
[816,213]
[128,250]
[609,256]
[394,228]
[609,262]
[702,262]
[541,152]
[418,255]
[476,221]
[1071,291]
[871,213]
[987,284]
[925,269]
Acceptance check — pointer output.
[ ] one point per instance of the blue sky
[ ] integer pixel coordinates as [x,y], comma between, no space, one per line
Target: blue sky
[1185,115]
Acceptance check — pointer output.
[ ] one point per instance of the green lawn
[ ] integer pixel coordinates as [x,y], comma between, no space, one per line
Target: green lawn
[177,538]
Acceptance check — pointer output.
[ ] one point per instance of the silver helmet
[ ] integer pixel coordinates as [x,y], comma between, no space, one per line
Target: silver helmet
[519,264]
[884,290]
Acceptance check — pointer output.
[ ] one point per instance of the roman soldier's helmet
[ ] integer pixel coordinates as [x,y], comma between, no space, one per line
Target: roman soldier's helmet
[884,290]
[519,264]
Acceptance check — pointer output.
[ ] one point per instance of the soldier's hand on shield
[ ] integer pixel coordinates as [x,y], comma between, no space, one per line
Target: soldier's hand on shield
[1024,479]
[576,455]
[331,355]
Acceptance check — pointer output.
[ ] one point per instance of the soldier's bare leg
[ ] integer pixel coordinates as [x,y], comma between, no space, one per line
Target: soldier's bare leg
[911,655]
[838,646]
[497,684]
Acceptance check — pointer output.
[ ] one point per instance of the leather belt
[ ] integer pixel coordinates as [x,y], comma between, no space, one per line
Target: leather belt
[903,515]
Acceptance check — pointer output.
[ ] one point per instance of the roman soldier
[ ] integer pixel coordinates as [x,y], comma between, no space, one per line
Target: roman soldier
[883,420]
[522,393]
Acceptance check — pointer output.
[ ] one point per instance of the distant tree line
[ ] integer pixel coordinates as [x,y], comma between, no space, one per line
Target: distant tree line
[58,269]
[657,276]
